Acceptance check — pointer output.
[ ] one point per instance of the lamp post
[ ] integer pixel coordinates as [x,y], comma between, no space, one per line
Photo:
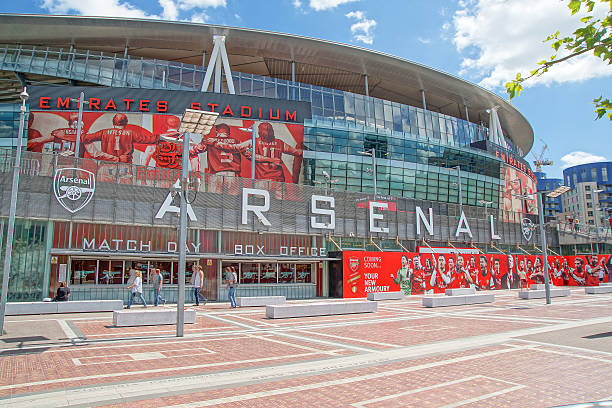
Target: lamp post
[12,209]
[552,194]
[372,152]
[77,146]
[328,180]
[198,122]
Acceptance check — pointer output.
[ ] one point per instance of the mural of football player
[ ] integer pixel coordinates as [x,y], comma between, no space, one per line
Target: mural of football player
[223,152]
[577,274]
[592,271]
[473,270]
[428,271]
[465,280]
[36,141]
[484,278]
[418,284]
[61,140]
[440,279]
[117,143]
[268,153]
[497,275]
[404,276]
[537,274]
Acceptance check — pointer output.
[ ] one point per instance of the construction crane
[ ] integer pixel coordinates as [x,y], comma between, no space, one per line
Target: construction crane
[540,160]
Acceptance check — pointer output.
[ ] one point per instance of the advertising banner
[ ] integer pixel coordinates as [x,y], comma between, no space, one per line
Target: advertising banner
[518,184]
[137,139]
[429,273]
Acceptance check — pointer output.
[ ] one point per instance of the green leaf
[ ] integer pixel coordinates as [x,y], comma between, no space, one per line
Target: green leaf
[574,5]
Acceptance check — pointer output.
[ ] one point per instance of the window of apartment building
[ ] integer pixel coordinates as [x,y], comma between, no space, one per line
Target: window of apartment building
[583,174]
[587,188]
[575,177]
[588,196]
[567,179]
[604,174]
[590,213]
[589,205]
[593,174]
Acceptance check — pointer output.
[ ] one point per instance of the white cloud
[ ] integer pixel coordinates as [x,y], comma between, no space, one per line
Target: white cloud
[118,8]
[363,29]
[297,3]
[424,40]
[320,5]
[112,8]
[578,157]
[499,38]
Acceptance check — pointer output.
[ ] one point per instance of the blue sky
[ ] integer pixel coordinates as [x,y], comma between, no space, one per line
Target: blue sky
[483,41]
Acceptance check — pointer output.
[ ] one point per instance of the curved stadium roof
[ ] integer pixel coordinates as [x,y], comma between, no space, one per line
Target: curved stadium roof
[317,62]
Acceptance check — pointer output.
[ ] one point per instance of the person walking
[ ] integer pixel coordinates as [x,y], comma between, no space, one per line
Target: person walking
[231,280]
[197,279]
[157,285]
[136,290]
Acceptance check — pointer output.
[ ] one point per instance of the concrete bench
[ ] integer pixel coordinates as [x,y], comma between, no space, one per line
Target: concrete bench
[537,286]
[594,290]
[460,291]
[458,300]
[72,306]
[540,294]
[386,295]
[319,309]
[260,301]
[122,318]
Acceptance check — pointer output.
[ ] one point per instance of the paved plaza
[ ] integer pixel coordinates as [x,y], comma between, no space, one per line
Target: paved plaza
[511,353]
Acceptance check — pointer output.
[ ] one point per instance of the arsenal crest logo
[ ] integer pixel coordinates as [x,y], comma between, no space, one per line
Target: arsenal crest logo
[353,263]
[527,228]
[74,188]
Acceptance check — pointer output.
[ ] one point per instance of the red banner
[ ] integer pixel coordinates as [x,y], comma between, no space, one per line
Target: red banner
[369,272]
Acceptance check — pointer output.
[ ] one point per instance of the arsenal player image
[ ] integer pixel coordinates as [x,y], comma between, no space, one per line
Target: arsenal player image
[268,153]
[61,140]
[484,279]
[463,274]
[223,153]
[117,143]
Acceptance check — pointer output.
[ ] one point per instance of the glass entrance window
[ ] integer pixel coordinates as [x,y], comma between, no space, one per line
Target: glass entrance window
[83,271]
[111,273]
[164,268]
[249,273]
[286,273]
[303,273]
[268,273]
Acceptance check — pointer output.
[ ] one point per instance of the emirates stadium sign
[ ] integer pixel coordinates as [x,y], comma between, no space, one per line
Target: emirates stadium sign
[160,101]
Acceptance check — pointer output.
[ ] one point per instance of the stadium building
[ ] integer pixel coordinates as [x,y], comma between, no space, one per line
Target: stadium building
[355,150]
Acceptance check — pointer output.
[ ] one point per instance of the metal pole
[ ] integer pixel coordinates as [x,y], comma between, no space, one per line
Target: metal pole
[79,125]
[12,210]
[544,248]
[253,151]
[374,170]
[180,303]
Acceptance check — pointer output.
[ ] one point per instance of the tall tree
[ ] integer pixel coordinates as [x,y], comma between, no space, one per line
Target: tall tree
[593,37]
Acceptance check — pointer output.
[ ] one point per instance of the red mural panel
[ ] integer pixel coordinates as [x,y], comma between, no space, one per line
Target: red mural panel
[412,273]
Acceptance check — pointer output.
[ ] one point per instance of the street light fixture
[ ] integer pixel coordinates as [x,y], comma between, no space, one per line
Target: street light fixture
[12,209]
[198,122]
[328,180]
[554,193]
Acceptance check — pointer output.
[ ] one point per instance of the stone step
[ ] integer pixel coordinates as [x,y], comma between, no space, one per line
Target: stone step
[540,294]
[319,309]
[458,300]
[460,291]
[385,295]
[142,317]
[248,301]
[594,290]
[71,306]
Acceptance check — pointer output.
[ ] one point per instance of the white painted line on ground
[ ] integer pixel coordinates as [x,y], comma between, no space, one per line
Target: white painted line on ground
[67,330]
[273,340]
[568,354]
[348,380]
[333,336]
[581,349]
[483,397]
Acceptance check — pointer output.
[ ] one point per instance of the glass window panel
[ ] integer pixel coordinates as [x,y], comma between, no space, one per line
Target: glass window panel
[303,273]
[286,273]
[83,271]
[249,273]
[268,273]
